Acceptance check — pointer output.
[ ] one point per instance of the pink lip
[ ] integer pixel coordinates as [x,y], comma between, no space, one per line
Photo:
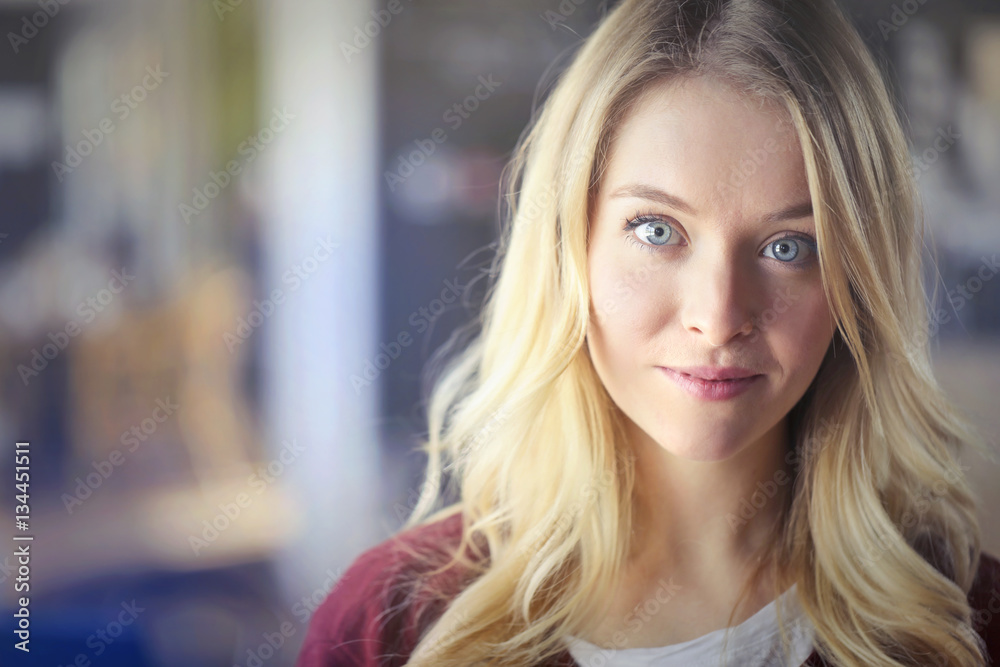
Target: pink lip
[693,381]
[715,372]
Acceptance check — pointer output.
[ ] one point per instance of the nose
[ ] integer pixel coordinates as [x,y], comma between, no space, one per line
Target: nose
[717,301]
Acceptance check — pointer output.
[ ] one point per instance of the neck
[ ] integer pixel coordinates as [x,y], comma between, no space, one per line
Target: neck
[700,519]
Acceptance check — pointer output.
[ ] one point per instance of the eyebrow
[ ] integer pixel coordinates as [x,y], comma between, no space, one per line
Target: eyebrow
[648,192]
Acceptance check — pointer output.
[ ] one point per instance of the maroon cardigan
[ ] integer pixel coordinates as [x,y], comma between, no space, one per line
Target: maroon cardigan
[368,619]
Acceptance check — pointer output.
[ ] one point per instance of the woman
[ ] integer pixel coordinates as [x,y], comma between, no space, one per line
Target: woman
[699,425]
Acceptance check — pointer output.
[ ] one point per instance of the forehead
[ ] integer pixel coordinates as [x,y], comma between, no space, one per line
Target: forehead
[719,150]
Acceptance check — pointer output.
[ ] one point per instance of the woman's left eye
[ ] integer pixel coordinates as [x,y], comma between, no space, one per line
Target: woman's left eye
[787,250]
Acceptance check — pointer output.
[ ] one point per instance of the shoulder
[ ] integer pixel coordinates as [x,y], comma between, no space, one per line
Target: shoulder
[376,613]
[984,598]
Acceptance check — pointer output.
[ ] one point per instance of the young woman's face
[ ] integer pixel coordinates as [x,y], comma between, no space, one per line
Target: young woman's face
[702,253]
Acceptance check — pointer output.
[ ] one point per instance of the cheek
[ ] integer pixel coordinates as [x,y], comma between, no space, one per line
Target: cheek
[799,327]
[616,318]
[626,304]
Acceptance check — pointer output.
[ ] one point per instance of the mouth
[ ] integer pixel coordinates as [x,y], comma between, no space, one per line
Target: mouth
[714,373]
[727,382]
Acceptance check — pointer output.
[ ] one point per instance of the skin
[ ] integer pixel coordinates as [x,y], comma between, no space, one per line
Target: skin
[717,293]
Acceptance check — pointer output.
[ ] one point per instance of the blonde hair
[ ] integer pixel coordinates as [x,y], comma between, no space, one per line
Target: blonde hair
[880,532]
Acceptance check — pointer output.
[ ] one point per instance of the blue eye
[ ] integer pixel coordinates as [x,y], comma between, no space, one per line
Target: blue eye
[787,250]
[652,231]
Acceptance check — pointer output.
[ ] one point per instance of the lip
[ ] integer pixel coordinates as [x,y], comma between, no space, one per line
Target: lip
[721,384]
[715,372]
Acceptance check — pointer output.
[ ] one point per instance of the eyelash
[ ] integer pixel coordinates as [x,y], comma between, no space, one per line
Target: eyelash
[641,218]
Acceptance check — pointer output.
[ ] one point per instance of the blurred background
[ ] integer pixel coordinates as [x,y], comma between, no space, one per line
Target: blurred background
[235,231]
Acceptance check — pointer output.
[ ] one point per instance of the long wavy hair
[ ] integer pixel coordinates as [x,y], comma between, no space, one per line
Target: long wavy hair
[879,532]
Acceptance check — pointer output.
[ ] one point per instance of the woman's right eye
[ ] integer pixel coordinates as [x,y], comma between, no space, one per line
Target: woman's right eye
[653,231]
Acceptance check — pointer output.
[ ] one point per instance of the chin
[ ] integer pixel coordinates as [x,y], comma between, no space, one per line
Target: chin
[693,449]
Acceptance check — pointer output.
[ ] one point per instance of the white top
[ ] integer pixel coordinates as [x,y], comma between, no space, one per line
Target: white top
[756,642]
